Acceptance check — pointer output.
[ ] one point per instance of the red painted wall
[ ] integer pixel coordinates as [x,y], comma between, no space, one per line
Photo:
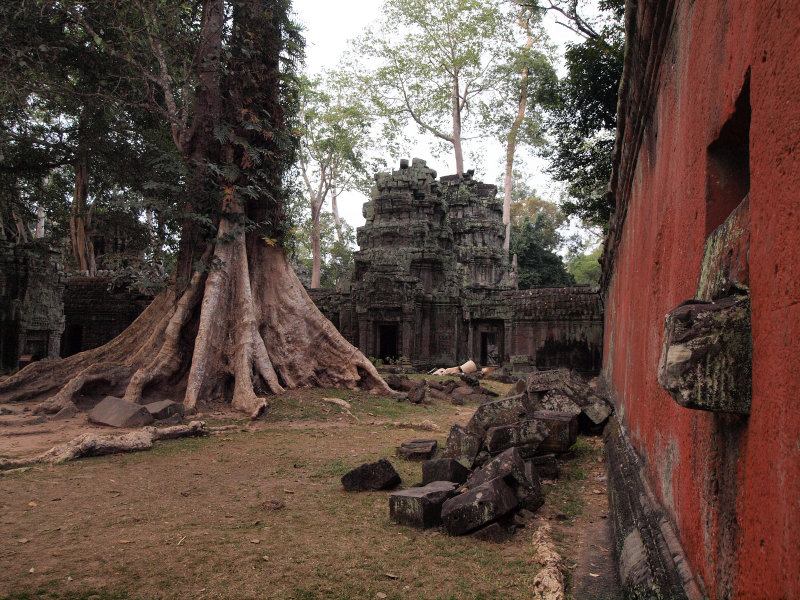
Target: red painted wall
[730,484]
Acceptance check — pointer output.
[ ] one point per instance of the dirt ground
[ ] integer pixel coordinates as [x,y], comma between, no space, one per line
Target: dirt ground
[259,512]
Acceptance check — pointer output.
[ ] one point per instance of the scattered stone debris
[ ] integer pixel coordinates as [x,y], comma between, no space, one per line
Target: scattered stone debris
[478,506]
[444,469]
[563,391]
[426,425]
[164,409]
[549,583]
[494,464]
[380,475]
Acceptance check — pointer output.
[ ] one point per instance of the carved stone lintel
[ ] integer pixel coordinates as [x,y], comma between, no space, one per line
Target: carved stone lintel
[706,355]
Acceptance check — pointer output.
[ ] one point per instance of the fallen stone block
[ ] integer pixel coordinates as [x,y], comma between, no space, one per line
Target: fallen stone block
[499,412]
[379,475]
[460,393]
[558,401]
[116,412]
[478,507]
[545,465]
[421,506]
[469,367]
[544,381]
[417,449]
[463,445]
[477,398]
[493,532]
[519,387]
[164,409]
[563,430]
[511,468]
[417,395]
[444,469]
[521,433]
[439,394]
[68,412]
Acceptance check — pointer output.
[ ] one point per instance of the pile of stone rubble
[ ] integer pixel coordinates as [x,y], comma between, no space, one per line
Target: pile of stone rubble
[490,470]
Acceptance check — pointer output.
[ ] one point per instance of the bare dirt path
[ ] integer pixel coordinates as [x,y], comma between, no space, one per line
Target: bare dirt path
[260,513]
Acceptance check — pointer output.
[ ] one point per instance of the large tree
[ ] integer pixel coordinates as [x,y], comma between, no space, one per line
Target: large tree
[236,323]
[334,139]
[584,122]
[525,83]
[433,60]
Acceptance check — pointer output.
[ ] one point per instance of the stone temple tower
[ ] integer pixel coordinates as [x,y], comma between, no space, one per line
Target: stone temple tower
[425,245]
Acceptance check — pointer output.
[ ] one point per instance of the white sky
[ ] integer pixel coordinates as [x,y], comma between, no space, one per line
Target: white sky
[330,25]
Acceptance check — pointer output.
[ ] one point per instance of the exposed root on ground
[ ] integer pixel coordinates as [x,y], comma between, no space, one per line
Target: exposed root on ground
[549,582]
[90,444]
[242,331]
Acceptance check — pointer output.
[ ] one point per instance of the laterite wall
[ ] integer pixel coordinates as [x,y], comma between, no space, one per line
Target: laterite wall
[731,484]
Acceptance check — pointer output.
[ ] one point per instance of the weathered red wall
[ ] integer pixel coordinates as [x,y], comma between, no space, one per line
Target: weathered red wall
[731,484]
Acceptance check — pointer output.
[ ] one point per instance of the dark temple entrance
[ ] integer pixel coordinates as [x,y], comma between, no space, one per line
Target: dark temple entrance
[387,341]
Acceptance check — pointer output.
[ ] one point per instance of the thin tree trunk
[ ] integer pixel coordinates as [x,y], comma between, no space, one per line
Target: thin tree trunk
[82,247]
[316,250]
[40,223]
[511,147]
[456,101]
[335,211]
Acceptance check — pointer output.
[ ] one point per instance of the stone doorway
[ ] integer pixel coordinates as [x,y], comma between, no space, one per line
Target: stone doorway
[387,341]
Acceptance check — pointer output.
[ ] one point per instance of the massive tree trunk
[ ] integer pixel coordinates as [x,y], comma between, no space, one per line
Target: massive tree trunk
[236,324]
[240,332]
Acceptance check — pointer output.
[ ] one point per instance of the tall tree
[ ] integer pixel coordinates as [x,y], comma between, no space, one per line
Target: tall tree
[236,323]
[333,147]
[584,122]
[525,83]
[434,59]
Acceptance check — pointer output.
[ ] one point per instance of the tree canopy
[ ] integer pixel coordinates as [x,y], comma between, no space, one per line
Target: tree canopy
[430,62]
[220,78]
[582,125]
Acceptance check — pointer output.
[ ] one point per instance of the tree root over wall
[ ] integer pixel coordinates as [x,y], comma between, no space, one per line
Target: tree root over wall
[241,330]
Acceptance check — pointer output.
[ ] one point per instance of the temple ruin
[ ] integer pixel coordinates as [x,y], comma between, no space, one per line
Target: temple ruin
[433,286]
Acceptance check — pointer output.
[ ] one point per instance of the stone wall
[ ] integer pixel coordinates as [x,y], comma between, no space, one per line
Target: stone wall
[95,314]
[432,285]
[31,309]
[706,184]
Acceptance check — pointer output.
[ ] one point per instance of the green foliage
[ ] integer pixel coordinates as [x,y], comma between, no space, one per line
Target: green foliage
[537,266]
[583,124]
[585,268]
[175,116]
[337,256]
[434,61]
[499,107]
